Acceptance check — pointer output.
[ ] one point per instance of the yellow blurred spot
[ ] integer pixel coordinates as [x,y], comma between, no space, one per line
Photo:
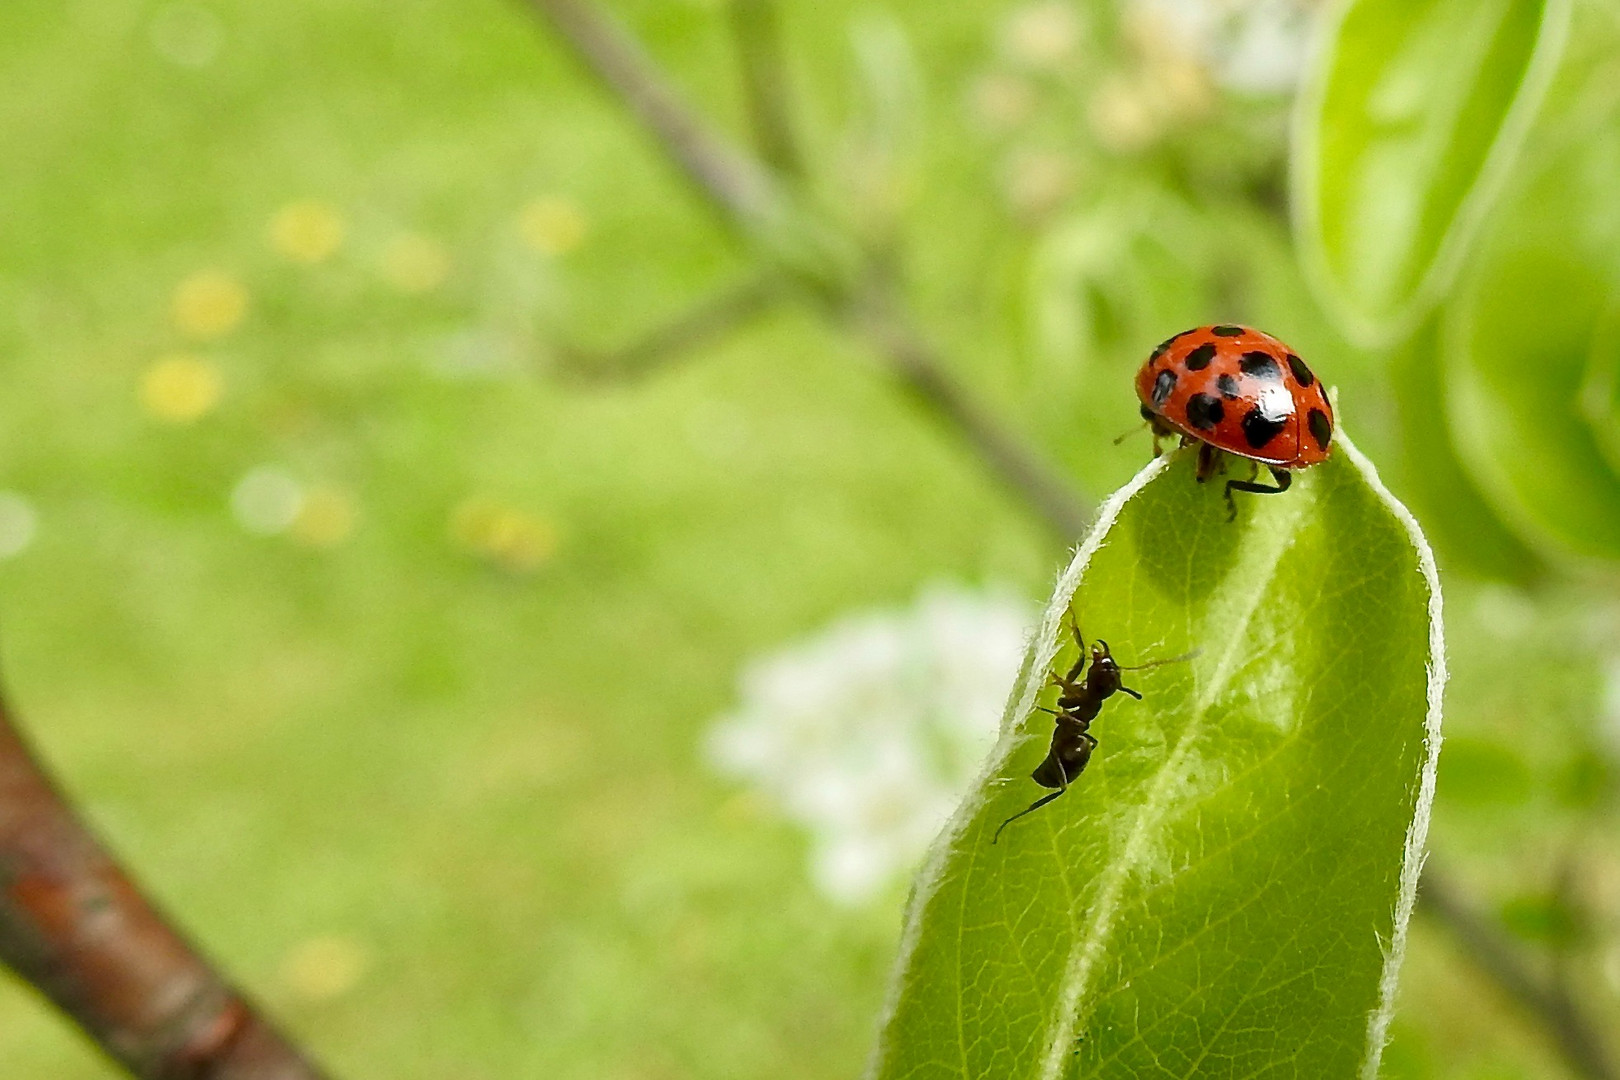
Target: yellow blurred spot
[1001,102]
[1123,116]
[509,538]
[180,388]
[209,305]
[306,232]
[745,807]
[1042,35]
[553,225]
[324,968]
[1036,182]
[414,264]
[325,518]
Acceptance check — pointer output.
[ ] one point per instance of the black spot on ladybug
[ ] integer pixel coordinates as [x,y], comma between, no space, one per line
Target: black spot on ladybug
[1204,411]
[1226,331]
[1164,346]
[1321,427]
[1259,429]
[1301,372]
[1259,364]
[1228,387]
[1199,358]
[1163,387]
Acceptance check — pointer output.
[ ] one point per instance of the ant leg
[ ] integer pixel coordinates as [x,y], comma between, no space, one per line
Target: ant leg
[1063,777]
[1079,662]
[1282,476]
[1074,624]
[1133,693]
[1034,806]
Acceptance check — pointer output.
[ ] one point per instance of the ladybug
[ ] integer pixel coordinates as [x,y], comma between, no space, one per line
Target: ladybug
[1235,390]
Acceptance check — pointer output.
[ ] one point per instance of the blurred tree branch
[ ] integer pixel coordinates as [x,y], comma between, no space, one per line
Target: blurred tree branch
[1547,1000]
[706,321]
[848,285]
[74,926]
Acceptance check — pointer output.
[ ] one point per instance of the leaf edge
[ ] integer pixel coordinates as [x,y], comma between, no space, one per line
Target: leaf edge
[1489,184]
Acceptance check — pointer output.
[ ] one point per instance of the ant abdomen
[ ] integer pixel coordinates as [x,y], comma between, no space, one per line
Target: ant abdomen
[1057,771]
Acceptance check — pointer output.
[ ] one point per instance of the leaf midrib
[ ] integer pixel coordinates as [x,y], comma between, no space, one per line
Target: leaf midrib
[1090,943]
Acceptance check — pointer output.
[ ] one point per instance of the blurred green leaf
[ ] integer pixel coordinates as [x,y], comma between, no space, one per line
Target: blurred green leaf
[1542,917]
[1586,780]
[1483,772]
[1228,884]
[1414,115]
[1517,346]
[1465,529]
[1600,394]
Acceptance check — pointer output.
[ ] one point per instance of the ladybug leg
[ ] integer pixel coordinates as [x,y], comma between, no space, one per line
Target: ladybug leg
[1282,476]
[1156,428]
[1208,458]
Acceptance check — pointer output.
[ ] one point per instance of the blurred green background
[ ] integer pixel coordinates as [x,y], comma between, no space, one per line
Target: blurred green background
[385,649]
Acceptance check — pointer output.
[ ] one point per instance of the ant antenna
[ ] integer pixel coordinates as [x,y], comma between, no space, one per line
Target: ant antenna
[1183,658]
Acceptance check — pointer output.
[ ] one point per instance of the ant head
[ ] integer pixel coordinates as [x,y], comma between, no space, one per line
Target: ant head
[1100,652]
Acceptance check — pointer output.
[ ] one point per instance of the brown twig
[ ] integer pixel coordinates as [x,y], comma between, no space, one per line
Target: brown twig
[74,925]
[1574,1036]
[913,360]
[742,188]
[757,27]
[708,320]
[731,179]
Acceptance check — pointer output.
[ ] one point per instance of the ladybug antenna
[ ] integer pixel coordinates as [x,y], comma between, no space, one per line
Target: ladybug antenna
[1138,428]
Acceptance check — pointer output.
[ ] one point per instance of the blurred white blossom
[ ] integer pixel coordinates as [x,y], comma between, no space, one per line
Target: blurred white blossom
[18,523]
[1252,46]
[1611,706]
[1044,34]
[267,500]
[869,732]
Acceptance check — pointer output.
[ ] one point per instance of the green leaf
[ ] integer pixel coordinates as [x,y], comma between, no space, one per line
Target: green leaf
[1520,339]
[1225,891]
[1600,391]
[1464,527]
[1416,110]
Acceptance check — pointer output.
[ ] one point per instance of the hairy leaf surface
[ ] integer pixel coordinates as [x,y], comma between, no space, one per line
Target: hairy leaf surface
[1416,110]
[1224,892]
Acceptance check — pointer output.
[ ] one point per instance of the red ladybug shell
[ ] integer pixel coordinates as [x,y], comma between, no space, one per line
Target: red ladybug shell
[1241,391]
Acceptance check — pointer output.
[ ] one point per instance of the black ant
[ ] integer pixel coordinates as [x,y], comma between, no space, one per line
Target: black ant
[1078,705]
